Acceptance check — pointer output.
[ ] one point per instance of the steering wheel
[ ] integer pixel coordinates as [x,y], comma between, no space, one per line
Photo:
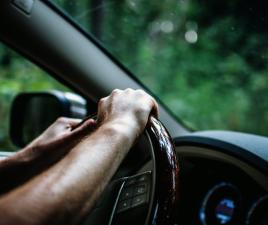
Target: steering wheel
[159,188]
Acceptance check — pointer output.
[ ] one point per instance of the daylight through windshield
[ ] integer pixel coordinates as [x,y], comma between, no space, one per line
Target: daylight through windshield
[205,59]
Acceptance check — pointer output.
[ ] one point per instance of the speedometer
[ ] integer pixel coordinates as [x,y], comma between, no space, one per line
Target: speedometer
[221,205]
[258,214]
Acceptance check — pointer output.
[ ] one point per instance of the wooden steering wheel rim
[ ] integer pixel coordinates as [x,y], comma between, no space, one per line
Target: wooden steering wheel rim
[166,175]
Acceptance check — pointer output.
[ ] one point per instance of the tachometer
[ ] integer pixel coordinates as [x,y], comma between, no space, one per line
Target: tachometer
[258,214]
[221,205]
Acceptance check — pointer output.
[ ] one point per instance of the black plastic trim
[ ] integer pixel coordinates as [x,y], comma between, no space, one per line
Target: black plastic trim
[222,146]
[51,73]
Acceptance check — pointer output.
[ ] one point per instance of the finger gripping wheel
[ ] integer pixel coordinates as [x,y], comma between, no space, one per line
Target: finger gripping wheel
[166,175]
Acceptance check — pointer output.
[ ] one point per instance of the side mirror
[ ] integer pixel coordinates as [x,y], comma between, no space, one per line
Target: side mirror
[32,113]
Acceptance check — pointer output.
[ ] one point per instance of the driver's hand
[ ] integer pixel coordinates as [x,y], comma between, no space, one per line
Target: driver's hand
[51,146]
[60,137]
[129,107]
[63,130]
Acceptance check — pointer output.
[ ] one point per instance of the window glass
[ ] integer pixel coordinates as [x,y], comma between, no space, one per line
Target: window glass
[206,59]
[18,75]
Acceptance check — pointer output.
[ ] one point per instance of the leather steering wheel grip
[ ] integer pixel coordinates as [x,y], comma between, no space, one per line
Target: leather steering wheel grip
[166,171]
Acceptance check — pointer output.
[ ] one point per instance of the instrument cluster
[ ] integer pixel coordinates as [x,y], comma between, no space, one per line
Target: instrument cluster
[218,194]
[223,205]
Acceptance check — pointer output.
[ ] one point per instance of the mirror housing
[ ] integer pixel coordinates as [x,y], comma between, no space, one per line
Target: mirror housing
[32,113]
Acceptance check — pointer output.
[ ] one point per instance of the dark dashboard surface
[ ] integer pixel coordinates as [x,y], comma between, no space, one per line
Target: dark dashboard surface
[223,178]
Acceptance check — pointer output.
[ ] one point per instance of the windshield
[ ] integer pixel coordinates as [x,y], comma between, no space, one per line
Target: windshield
[205,59]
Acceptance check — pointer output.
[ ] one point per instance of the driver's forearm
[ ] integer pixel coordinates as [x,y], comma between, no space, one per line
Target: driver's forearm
[18,168]
[28,162]
[70,188]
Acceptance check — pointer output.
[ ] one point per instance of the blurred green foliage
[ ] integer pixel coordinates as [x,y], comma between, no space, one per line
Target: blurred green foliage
[206,60]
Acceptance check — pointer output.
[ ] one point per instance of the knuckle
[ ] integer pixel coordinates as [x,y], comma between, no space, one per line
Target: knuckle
[101,102]
[140,91]
[129,90]
[115,91]
[143,93]
[61,120]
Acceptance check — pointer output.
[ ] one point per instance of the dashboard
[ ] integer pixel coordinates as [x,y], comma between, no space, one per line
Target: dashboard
[223,179]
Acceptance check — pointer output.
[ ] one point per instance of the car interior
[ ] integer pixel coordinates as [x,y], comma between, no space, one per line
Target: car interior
[173,174]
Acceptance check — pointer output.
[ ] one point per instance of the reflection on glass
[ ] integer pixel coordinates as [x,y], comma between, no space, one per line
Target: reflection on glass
[225,210]
[40,113]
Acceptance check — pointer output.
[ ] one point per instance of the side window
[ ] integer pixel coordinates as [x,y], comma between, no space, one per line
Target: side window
[17,74]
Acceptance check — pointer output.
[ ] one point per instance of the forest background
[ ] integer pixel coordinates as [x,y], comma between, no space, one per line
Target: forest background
[205,59]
